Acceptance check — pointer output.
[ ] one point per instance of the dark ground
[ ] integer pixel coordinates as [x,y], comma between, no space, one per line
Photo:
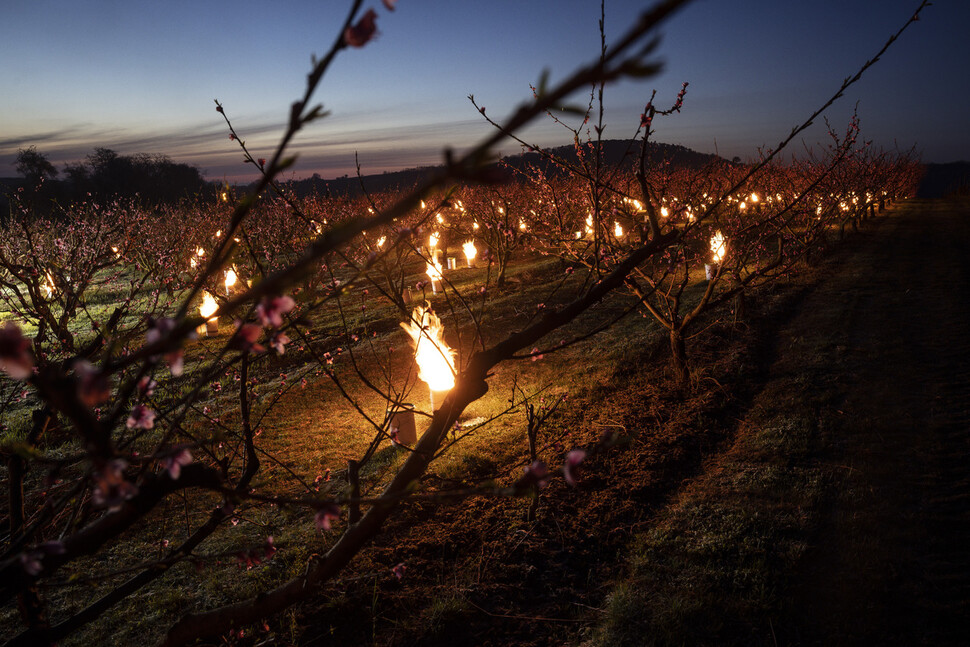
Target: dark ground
[892,562]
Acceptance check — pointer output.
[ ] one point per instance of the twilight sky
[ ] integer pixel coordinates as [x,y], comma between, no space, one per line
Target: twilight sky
[140,76]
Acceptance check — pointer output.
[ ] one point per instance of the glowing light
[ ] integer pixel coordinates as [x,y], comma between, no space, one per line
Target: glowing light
[754,198]
[470,252]
[436,361]
[48,286]
[522,226]
[434,273]
[617,230]
[433,240]
[718,246]
[664,212]
[381,241]
[231,279]
[206,311]
[475,225]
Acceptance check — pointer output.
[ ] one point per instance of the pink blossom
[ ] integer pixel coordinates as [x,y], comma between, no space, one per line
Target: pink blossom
[535,475]
[146,386]
[16,358]
[245,337]
[399,570]
[261,161]
[570,470]
[141,417]
[366,28]
[111,489]
[269,548]
[536,355]
[32,559]
[271,310]
[174,462]
[156,332]
[279,342]
[329,512]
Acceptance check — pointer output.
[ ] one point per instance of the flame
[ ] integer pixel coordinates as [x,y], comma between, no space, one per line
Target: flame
[664,212]
[230,279]
[199,252]
[434,270]
[218,233]
[436,361]
[470,250]
[589,224]
[433,240]
[617,230]
[475,225]
[718,246]
[423,205]
[440,218]
[754,198]
[522,224]
[208,307]
[381,241]
[48,285]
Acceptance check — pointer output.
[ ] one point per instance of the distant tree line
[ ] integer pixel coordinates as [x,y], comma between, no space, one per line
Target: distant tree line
[104,174]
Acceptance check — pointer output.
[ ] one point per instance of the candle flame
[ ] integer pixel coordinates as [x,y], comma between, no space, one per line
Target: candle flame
[470,250]
[436,361]
[208,307]
[48,286]
[230,278]
[434,270]
[718,246]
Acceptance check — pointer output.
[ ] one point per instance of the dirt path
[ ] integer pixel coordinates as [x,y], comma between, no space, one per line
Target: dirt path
[891,564]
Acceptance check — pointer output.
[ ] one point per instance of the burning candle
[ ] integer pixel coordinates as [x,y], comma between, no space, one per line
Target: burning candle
[718,246]
[435,360]
[206,310]
[470,252]
[718,249]
[230,279]
[434,273]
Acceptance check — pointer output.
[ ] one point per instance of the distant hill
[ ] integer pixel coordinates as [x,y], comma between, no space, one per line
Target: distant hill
[945,179]
[614,152]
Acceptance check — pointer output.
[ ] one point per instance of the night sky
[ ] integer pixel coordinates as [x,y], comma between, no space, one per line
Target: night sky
[140,77]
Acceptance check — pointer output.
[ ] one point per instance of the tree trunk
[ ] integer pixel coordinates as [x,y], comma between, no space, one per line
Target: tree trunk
[678,350]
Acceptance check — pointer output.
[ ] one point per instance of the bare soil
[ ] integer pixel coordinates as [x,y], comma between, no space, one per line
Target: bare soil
[871,345]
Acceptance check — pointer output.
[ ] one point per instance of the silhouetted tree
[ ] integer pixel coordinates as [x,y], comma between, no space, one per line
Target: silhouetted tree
[34,166]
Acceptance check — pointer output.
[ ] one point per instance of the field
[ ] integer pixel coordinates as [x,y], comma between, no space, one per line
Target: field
[807,486]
